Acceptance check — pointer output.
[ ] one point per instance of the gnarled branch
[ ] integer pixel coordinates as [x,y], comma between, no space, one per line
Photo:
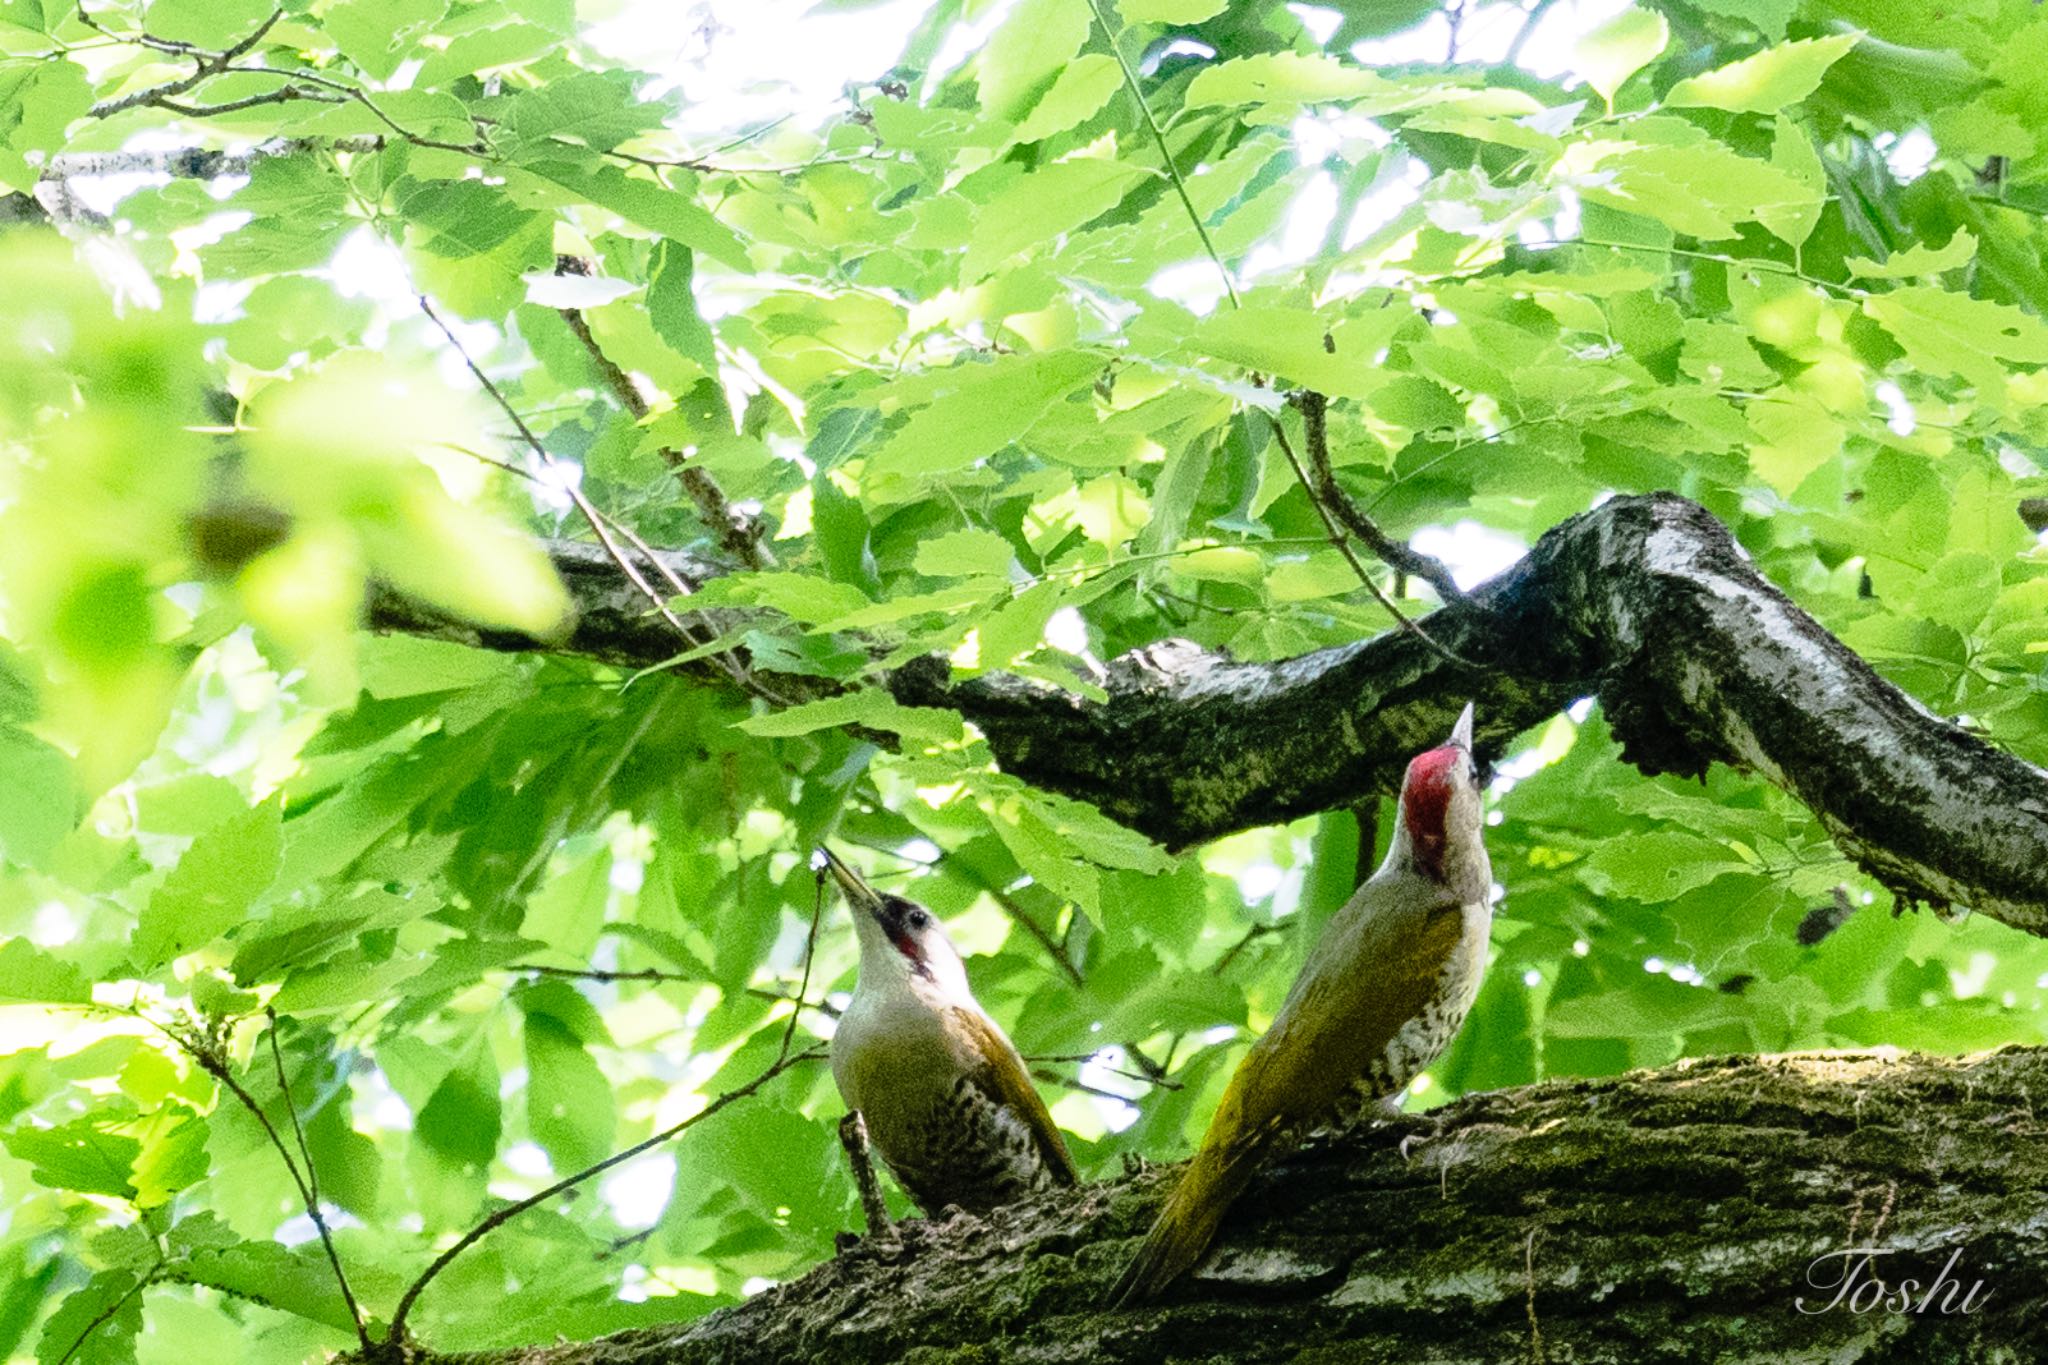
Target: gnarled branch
[1646,602]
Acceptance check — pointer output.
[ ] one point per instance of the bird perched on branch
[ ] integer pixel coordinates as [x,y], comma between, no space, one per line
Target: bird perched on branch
[944,1094]
[1382,994]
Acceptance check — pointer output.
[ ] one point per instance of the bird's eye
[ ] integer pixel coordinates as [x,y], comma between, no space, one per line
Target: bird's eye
[918,919]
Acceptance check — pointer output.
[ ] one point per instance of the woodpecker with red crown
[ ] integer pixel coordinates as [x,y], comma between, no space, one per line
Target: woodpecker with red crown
[1380,998]
[944,1095]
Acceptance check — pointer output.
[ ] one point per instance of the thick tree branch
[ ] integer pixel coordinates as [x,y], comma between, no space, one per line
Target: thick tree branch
[1701,1212]
[1646,602]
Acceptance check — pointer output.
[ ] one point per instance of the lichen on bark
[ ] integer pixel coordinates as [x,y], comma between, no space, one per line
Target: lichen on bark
[1694,1213]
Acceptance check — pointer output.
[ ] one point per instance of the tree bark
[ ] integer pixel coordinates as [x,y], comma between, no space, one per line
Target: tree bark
[1646,602]
[1696,1213]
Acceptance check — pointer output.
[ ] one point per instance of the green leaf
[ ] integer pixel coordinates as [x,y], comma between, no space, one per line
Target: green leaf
[869,707]
[986,407]
[1170,11]
[1038,39]
[38,802]
[1766,82]
[377,35]
[1918,259]
[1332,357]
[672,305]
[94,1325]
[595,109]
[1041,206]
[568,1099]
[1609,53]
[961,554]
[212,887]
[665,212]
[79,1155]
[1660,865]
[1952,334]
[28,974]
[298,1281]
[1281,78]
[1084,86]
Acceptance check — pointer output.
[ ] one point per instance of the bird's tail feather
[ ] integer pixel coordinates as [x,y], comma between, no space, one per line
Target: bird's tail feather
[1187,1224]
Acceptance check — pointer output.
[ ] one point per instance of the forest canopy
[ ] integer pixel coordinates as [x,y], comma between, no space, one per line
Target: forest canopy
[1065,329]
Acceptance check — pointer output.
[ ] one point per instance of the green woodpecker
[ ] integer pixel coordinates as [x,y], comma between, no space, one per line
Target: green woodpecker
[944,1094]
[1380,997]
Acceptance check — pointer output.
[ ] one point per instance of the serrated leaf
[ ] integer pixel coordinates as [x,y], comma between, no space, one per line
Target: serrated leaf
[1084,86]
[1037,39]
[298,1281]
[1660,865]
[1042,206]
[1335,357]
[987,407]
[27,973]
[1766,82]
[79,1155]
[212,887]
[95,1325]
[1281,78]
[1918,259]
[568,1099]
[1953,334]
[869,707]
[965,553]
[1612,51]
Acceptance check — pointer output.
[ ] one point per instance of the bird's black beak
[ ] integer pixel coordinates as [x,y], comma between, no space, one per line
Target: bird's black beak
[852,885]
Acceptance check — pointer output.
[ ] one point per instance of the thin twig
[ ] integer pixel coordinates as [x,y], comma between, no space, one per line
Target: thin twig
[1523,34]
[596,520]
[739,536]
[1343,547]
[1235,950]
[284,1088]
[1084,1058]
[209,64]
[1394,553]
[1165,152]
[214,1065]
[810,954]
[284,94]
[106,1315]
[511,1211]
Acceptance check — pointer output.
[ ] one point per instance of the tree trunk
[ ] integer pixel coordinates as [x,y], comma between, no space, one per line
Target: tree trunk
[1703,1212]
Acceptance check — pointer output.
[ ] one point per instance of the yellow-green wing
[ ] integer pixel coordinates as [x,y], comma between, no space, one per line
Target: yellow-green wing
[1002,1078]
[1352,997]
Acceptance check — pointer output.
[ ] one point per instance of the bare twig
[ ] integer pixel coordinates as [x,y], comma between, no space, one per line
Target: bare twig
[738,535]
[312,1188]
[599,524]
[215,1065]
[853,1136]
[511,1211]
[284,94]
[1394,553]
[1343,547]
[1165,152]
[1082,1058]
[1523,34]
[810,954]
[209,64]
